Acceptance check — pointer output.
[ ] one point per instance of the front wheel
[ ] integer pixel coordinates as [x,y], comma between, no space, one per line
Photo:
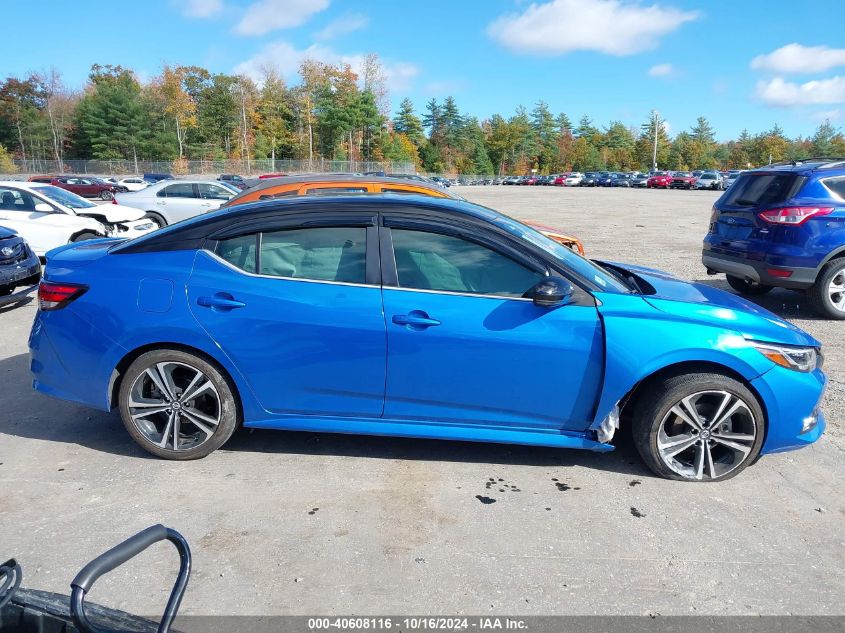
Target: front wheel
[698,427]
[827,295]
[177,405]
[156,219]
[85,235]
[747,287]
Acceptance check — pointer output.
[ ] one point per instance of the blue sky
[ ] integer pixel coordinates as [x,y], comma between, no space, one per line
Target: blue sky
[743,64]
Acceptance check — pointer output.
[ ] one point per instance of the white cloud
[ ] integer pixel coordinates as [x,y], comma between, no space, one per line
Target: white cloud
[828,115]
[342,26]
[201,8]
[661,70]
[269,15]
[795,58]
[615,27]
[286,58]
[781,93]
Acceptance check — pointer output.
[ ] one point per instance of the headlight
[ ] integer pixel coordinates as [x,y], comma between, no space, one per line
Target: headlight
[804,359]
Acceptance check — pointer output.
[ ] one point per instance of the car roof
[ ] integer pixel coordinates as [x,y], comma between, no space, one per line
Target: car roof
[23,184]
[803,166]
[191,233]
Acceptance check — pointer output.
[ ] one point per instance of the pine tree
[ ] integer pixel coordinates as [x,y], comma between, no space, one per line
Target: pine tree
[407,123]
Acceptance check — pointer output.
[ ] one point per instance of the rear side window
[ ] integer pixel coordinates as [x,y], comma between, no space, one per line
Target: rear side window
[181,190]
[755,190]
[836,185]
[319,254]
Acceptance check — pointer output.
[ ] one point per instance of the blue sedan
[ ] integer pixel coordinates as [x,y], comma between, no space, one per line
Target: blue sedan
[415,317]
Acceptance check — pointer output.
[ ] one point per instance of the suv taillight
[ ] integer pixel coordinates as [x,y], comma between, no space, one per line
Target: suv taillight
[53,296]
[793,215]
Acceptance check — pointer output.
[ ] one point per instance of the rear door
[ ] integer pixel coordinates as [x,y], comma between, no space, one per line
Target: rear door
[179,201]
[296,305]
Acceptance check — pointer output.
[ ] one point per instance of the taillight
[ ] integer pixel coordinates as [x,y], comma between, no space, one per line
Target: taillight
[793,215]
[53,296]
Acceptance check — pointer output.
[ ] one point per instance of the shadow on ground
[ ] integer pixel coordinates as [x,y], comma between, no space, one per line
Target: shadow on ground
[28,414]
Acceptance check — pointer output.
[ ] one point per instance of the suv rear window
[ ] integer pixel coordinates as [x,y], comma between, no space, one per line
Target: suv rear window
[754,190]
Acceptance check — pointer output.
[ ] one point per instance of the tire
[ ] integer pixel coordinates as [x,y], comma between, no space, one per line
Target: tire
[85,235]
[207,420]
[105,194]
[156,218]
[821,295]
[746,287]
[708,394]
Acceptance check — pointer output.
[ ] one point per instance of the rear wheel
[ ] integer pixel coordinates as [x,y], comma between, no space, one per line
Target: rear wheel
[747,287]
[827,295]
[177,405]
[105,194]
[698,427]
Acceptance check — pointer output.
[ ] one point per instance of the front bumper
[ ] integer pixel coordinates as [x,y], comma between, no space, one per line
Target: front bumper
[790,398]
[757,271]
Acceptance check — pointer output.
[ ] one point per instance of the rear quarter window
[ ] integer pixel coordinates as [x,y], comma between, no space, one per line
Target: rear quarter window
[836,185]
[755,190]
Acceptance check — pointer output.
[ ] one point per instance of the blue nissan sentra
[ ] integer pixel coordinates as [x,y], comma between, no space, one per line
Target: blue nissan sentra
[415,317]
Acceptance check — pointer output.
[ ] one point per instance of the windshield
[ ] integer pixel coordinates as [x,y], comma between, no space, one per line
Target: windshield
[64,197]
[682,174]
[587,269]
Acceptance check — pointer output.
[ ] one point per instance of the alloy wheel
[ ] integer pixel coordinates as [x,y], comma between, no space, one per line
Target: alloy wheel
[707,435]
[836,290]
[174,406]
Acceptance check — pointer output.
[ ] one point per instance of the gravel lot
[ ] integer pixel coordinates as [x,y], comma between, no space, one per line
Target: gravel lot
[305,523]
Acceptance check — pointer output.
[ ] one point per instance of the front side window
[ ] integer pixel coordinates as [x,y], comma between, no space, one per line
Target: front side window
[319,254]
[213,192]
[432,261]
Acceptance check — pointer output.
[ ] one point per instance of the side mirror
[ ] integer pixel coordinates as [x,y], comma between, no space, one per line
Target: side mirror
[551,292]
[43,207]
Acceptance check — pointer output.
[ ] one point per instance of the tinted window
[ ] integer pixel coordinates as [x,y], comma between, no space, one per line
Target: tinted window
[211,192]
[330,190]
[16,200]
[430,261]
[836,185]
[281,194]
[181,190]
[239,251]
[324,254]
[751,190]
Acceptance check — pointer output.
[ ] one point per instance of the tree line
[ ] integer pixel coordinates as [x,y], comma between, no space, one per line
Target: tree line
[332,112]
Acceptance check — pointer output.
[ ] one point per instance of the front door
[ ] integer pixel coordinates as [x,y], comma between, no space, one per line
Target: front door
[298,311]
[465,347]
[42,230]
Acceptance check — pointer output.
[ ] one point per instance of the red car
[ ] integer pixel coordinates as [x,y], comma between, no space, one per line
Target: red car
[682,180]
[560,180]
[529,180]
[659,180]
[86,187]
[263,176]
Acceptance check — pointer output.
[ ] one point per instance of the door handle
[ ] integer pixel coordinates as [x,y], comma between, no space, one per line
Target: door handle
[160,202]
[221,302]
[415,320]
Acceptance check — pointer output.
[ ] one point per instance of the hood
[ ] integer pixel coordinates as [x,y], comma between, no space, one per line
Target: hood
[6,233]
[711,306]
[112,213]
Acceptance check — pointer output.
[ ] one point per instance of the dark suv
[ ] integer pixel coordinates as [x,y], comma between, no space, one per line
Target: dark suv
[783,226]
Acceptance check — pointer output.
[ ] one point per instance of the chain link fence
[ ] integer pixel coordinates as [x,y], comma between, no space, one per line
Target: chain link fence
[204,167]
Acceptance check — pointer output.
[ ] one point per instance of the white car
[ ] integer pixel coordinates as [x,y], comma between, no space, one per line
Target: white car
[574,179]
[47,216]
[134,183]
[169,201]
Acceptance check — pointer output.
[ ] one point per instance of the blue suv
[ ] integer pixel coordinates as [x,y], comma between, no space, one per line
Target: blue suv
[783,226]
